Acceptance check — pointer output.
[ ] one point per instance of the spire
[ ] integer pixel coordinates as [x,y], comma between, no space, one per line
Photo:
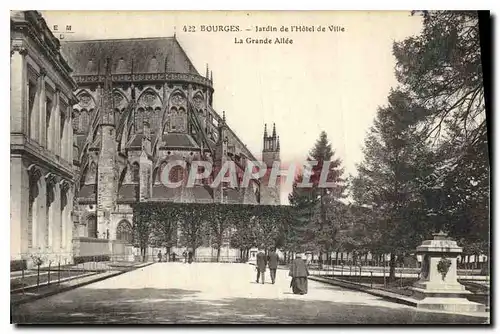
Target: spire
[211,76]
[206,75]
[274,130]
[278,144]
[265,130]
[223,117]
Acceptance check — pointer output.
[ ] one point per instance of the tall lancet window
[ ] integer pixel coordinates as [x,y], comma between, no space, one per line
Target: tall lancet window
[139,120]
[135,173]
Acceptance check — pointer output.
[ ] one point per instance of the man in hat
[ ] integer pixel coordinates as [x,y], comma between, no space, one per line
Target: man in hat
[272,262]
[190,256]
[261,265]
[159,256]
[299,273]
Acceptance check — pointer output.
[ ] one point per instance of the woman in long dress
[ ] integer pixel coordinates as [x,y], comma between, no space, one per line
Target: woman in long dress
[299,273]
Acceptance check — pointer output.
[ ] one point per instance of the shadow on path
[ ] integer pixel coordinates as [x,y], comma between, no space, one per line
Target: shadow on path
[153,306]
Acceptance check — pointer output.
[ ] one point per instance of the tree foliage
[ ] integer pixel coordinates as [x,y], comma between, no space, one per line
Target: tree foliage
[441,70]
[318,209]
[395,176]
[245,226]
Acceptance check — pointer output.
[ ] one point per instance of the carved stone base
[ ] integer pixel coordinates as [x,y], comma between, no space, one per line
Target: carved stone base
[450,304]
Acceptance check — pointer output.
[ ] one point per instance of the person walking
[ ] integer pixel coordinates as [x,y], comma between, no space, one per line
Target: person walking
[272,262]
[299,273]
[261,266]
[159,256]
[184,254]
[190,256]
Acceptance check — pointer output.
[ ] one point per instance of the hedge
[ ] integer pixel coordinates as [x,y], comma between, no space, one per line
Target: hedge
[16,265]
[96,258]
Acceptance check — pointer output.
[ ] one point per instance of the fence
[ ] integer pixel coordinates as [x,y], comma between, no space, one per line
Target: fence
[33,271]
[364,273]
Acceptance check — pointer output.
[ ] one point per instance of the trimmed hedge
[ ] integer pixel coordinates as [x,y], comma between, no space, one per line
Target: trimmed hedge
[16,265]
[96,258]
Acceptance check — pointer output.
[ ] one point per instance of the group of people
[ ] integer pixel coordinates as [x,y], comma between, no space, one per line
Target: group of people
[298,270]
[188,256]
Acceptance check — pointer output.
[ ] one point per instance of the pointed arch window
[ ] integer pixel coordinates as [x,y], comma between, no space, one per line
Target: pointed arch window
[92,226]
[135,173]
[139,120]
[91,174]
[124,231]
[158,119]
[84,121]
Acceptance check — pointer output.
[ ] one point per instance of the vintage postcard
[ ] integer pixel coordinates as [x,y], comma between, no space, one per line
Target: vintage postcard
[232,167]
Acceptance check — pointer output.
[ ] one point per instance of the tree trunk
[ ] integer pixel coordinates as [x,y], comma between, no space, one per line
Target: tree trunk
[168,254]
[392,267]
[218,253]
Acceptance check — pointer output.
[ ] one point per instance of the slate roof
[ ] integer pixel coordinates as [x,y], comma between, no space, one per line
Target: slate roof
[88,57]
[128,192]
[179,140]
[164,193]
[88,192]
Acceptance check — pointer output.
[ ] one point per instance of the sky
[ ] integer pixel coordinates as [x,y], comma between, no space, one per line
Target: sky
[323,81]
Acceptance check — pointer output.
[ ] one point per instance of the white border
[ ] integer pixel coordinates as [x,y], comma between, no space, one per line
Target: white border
[190,5]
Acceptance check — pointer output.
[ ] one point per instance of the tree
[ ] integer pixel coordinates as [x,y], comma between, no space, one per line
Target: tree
[245,235]
[220,223]
[192,227]
[269,221]
[441,70]
[318,207]
[142,229]
[164,227]
[396,172]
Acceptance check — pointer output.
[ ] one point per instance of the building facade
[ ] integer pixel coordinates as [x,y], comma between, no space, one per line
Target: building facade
[41,156]
[142,104]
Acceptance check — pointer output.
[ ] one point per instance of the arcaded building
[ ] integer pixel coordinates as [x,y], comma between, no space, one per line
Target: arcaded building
[41,136]
[142,103]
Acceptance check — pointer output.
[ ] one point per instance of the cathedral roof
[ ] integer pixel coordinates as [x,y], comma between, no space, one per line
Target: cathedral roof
[148,55]
[128,192]
[88,193]
[179,140]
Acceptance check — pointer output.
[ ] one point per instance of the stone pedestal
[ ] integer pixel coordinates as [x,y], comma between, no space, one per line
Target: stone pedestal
[438,288]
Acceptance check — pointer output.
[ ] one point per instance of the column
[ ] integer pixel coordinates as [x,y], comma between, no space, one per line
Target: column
[67,234]
[39,215]
[42,137]
[55,222]
[56,126]
[19,197]
[49,213]
[64,135]
[18,102]
[70,135]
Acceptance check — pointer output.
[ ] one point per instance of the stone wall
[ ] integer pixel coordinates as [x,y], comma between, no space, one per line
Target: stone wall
[84,246]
